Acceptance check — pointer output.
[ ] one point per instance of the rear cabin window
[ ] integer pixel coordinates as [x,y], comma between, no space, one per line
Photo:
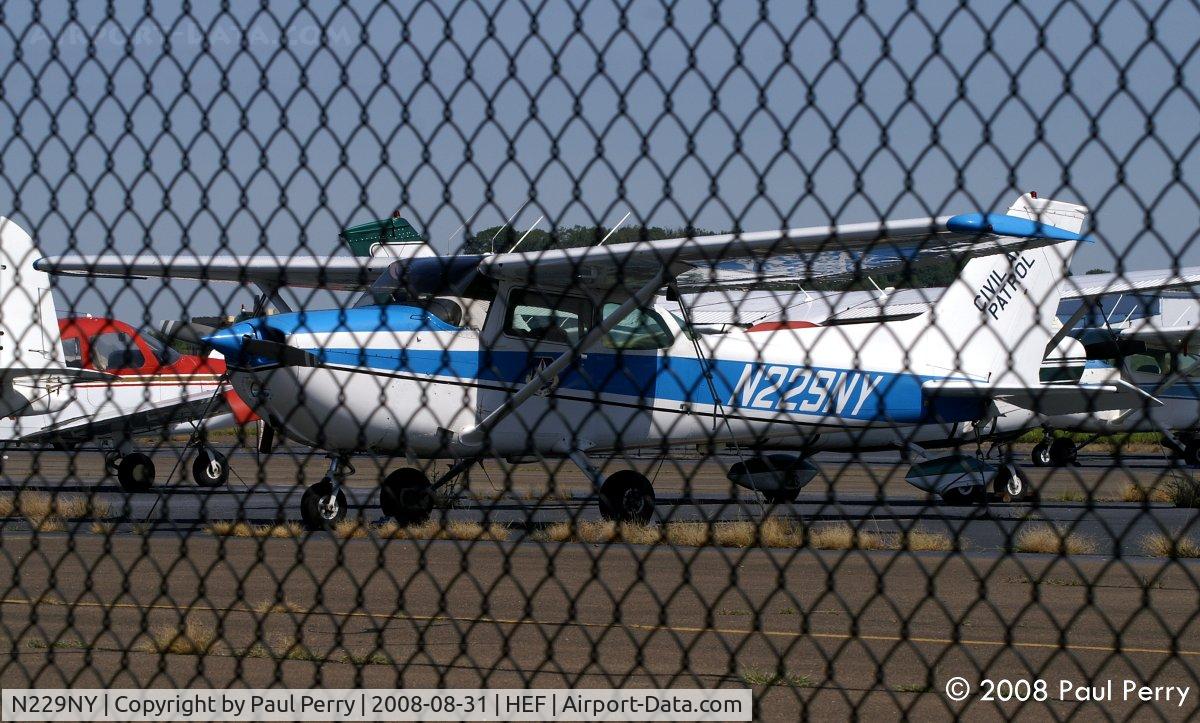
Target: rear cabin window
[116,350]
[548,317]
[71,355]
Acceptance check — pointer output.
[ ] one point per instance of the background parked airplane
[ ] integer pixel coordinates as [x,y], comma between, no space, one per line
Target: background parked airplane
[82,379]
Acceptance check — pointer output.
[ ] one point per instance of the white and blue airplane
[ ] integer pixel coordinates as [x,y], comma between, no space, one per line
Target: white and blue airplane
[565,353]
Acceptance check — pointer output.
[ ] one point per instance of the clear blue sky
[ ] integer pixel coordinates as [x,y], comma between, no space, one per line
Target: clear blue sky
[735,114]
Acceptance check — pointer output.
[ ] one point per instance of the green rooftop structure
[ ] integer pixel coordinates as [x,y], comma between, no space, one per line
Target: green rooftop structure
[363,237]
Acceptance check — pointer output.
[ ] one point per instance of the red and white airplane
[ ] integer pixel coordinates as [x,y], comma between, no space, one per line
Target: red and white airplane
[81,379]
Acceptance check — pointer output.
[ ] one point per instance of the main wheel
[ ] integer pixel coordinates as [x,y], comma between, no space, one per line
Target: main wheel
[1041,454]
[627,496]
[1191,454]
[135,472]
[1010,484]
[320,508]
[1062,452]
[210,468]
[406,496]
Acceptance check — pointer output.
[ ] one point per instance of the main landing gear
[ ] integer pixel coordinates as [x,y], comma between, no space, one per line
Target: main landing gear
[1055,452]
[407,496]
[624,496]
[135,470]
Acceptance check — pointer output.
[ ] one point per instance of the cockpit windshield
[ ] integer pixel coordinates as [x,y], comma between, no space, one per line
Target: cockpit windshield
[165,354]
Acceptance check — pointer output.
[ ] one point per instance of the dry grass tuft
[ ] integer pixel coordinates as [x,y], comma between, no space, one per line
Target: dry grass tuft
[1047,539]
[1183,491]
[1158,544]
[688,534]
[924,541]
[598,532]
[773,532]
[374,658]
[278,647]
[1135,493]
[557,532]
[102,528]
[841,536]
[351,528]
[231,528]
[435,530]
[195,638]
[43,504]
[47,512]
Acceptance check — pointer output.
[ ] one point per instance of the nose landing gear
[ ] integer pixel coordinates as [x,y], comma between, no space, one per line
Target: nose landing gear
[324,503]
[210,468]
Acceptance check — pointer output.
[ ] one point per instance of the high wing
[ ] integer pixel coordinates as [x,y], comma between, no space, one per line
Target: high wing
[819,251]
[797,254]
[111,420]
[345,273]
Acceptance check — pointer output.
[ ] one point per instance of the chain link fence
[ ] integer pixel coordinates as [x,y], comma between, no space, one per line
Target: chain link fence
[838,351]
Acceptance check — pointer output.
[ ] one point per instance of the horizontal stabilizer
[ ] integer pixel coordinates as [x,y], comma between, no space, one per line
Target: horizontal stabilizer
[1049,399]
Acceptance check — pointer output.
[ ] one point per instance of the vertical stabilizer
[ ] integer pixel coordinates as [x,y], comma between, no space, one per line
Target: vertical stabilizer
[29,333]
[999,314]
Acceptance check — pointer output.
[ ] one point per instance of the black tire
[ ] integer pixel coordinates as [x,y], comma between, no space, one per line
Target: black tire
[1041,454]
[1191,454]
[1011,484]
[135,472]
[406,496]
[1062,452]
[965,496]
[314,508]
[210,468]
[627,496]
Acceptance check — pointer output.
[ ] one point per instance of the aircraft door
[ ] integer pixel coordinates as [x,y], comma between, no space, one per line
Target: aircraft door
[527,330]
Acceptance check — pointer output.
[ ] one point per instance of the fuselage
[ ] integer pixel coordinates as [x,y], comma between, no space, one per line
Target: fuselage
[403,380]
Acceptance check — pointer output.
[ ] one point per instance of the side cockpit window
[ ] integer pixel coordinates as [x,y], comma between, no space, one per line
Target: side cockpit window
[116,350]
[641,329]
[548,317]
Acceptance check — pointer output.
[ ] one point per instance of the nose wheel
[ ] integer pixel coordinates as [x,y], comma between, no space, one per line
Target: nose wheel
[210,468]
[322,507]
[324,504]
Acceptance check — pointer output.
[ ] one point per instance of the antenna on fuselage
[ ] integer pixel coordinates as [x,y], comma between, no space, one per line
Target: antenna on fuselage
[526,234]
[507,223]
[615,228]
[883,293]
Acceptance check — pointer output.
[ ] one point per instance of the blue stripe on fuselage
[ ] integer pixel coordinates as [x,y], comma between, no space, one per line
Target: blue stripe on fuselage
[766,388]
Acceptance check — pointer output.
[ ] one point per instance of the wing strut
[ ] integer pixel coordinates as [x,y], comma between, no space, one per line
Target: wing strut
[474,436]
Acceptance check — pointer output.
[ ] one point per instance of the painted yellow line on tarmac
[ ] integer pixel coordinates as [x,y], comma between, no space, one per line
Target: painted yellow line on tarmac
[634,626]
